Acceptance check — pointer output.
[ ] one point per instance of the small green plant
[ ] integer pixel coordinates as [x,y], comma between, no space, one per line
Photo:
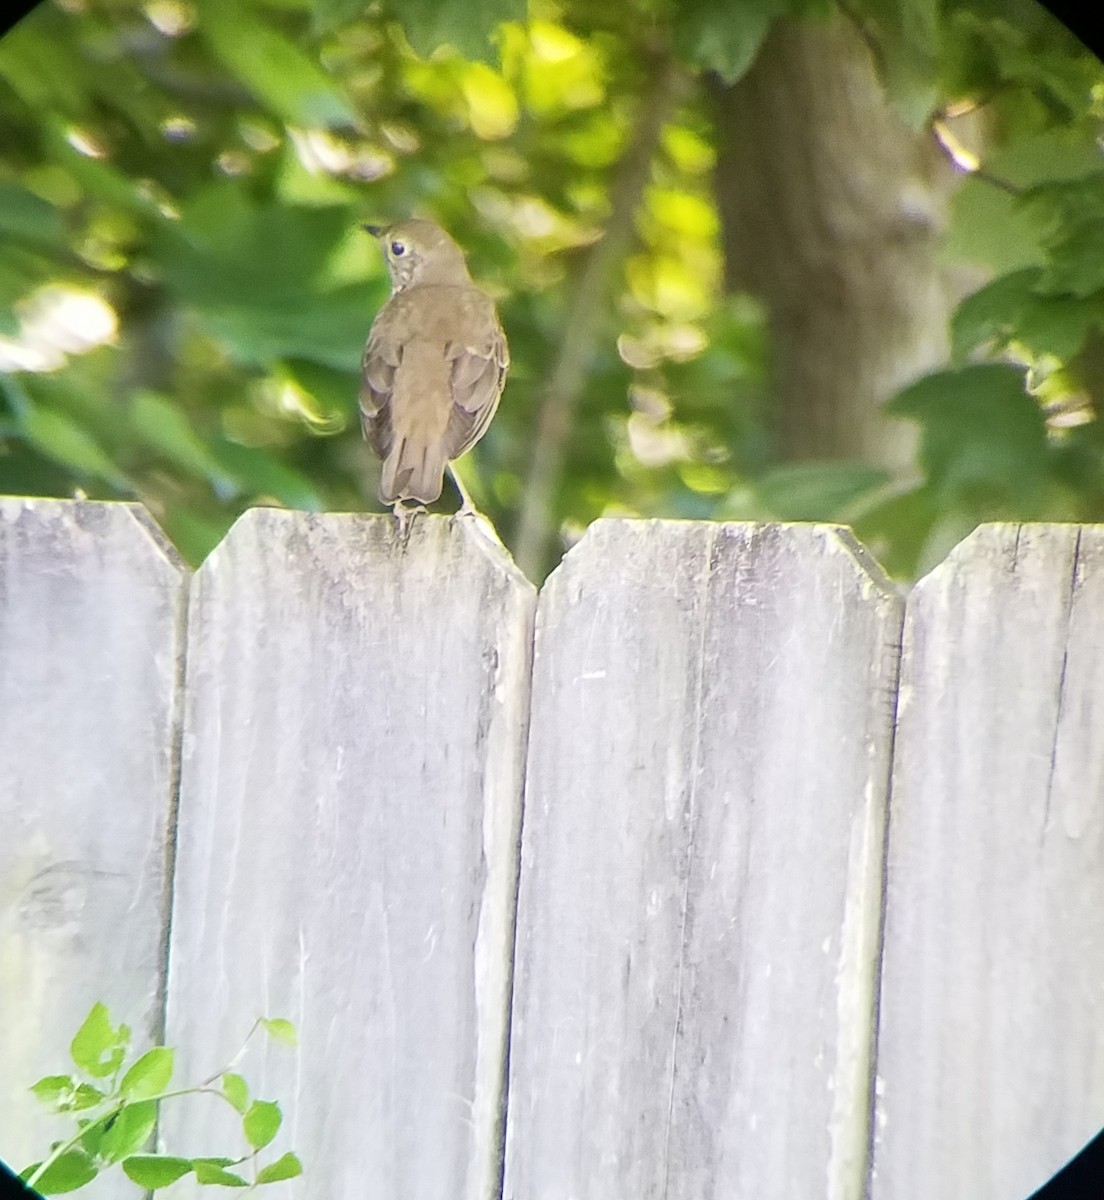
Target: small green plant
[115,1104]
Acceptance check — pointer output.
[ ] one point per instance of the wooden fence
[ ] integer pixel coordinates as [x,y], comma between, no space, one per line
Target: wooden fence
[806,897]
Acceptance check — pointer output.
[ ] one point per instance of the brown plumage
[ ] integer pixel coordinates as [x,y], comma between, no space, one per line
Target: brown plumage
[433,367]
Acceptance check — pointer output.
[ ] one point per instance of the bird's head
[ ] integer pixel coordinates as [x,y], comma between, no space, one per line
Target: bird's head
[419,251]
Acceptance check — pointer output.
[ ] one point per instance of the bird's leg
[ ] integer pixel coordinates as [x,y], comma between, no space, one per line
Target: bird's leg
[467,505]
[404,518]
[468,509]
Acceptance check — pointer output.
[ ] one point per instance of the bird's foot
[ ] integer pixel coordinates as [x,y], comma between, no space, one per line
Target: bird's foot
[404,519]
[465,510]
[480,523]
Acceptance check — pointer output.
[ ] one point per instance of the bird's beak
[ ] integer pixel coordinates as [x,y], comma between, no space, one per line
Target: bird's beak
[375,230]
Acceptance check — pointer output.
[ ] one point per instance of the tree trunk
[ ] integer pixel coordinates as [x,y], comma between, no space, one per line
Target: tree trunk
[832,210]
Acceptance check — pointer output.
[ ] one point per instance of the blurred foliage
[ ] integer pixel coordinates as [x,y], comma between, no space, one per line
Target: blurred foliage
[184,290]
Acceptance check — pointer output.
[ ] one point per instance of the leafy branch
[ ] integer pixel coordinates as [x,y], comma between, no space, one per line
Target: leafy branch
[118,1105]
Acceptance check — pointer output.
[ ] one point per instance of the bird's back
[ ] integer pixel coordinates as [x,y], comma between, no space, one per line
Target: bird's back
[433,371]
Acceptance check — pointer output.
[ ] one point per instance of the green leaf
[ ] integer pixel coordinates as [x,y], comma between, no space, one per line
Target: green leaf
[280,1029]
[817,491]
[85,1096]
[195,537]
[66,442]
[98,1047]
[1021,52]
[92,1134]
[54,1091]
[161,424]
[208,1172]
[725,39]
[287,1166]
[989,227]
[1014,309]
[155,1170]
[907,35]
[465,25]
[262,474]
[1059,325]
[261,1123]
[219,255]
[71,1171]
[236,1090]
[984,436]
[327,15]
[149,1075]
[1077,259]
[129,1131]
[328,328]
[274,68]
[992,313]
[27,216]
[34,65]
[218,259]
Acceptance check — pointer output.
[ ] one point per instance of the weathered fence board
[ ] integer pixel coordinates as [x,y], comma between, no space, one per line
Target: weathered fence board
[701,866]
[91,625]
[991,1050]
[348,833]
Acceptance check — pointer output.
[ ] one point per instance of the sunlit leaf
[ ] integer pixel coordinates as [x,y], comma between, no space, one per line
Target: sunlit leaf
[92,1133]
[70,1171]
[149,1075]
[98,1046]
[281,1029]
[287,1166]
[155,1170]
[54,1090]
[208,1173]
[236,1090]
[129,1131]
[261,1122]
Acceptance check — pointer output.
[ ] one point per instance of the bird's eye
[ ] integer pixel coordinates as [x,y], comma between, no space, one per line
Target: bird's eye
[398,249]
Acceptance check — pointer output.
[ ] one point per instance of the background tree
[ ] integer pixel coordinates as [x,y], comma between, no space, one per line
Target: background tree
[722,237]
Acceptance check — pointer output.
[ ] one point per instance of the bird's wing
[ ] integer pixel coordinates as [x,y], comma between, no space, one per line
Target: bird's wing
[382,355]
[478,374]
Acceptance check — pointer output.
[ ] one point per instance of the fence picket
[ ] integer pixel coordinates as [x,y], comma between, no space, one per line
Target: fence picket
[91,629]
[991,1046]
[349,810]
[701,866]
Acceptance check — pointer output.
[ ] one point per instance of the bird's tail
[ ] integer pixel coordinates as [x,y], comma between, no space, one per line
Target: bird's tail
[412,471]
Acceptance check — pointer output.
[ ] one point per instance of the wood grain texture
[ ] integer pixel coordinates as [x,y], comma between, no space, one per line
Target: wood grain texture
[348,843]
[699,901]
[991,1056]
[91,627]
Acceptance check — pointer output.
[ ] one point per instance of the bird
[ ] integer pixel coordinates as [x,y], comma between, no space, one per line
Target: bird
[433,369]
